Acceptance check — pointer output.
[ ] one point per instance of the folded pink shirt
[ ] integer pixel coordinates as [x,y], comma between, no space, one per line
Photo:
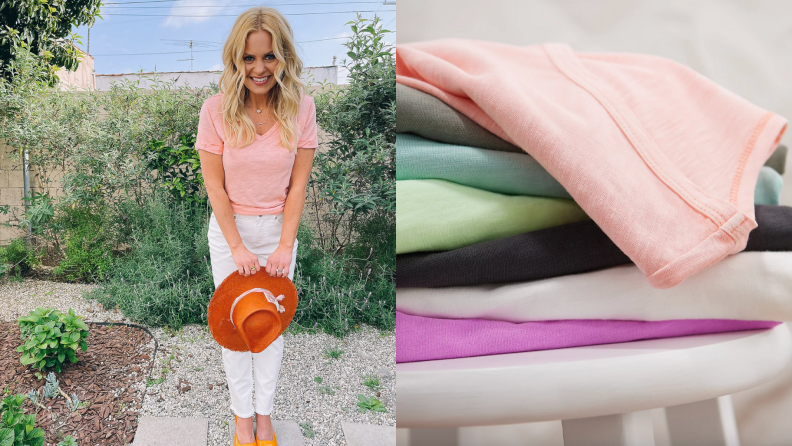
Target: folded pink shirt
[256,176]
[660,157]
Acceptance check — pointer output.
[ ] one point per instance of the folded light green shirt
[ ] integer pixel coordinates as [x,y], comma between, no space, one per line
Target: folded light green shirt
[504,172]
[437,215]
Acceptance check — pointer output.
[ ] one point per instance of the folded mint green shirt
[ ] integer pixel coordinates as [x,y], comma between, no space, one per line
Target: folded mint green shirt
[768,187]
[437,215]
[504,172]
[419,158]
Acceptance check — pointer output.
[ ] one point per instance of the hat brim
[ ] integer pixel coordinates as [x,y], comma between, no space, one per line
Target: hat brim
[219,309]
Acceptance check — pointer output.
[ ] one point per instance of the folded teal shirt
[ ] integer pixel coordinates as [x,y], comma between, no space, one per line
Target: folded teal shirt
[508,173]
[768,187]
[503,172]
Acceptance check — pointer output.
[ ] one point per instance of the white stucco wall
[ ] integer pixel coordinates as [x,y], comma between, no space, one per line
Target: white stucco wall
[204,78]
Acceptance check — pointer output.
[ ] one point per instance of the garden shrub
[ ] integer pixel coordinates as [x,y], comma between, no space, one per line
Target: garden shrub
[101,141]
[88,252]
[335,294]
[346,264]
[166,278]
[18,259]
[49,337]
[177,168]
[16,428]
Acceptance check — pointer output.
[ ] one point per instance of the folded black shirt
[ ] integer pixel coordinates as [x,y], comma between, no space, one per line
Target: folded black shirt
[568,249]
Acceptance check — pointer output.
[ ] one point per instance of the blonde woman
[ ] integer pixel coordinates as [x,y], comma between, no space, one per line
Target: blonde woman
[256,141]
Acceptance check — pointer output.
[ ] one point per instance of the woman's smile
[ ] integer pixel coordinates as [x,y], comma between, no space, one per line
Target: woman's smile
[259,81]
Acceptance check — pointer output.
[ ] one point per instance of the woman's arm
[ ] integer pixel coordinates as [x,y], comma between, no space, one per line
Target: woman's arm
[214,180]
[278,262]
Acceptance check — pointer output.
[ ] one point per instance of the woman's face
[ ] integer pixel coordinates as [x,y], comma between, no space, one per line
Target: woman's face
[260,63]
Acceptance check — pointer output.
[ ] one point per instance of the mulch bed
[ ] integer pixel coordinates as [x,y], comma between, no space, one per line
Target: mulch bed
[117,358]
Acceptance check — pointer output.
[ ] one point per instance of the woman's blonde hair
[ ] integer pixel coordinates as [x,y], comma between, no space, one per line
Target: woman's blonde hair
[285,97]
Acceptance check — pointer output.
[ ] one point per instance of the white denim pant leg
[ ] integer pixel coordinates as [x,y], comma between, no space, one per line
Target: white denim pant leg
[260,235]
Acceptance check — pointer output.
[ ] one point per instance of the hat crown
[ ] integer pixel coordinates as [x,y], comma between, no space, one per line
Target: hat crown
[247,313]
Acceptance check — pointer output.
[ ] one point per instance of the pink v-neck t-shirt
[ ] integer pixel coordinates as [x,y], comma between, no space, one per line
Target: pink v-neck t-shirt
[256,176]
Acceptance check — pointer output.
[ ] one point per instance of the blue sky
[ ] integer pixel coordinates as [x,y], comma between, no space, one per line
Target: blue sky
[124,40]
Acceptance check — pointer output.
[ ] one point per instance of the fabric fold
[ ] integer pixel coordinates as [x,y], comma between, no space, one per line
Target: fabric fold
[559,251]
[627,135]
[439,215]
[425,339]
[746,286]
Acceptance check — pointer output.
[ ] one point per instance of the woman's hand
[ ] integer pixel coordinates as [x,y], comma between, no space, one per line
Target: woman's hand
[278,262]
[247,263]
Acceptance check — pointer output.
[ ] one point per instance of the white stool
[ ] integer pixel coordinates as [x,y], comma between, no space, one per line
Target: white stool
[603,393]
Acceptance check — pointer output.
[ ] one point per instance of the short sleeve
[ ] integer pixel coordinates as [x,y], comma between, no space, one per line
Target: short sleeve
[208,138]
[308,135]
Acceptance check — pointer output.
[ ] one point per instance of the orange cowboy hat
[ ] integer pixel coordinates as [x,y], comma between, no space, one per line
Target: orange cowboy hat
[248,313]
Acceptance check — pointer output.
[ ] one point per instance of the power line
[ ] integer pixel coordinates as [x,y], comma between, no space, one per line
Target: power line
[202,51]
[236,15]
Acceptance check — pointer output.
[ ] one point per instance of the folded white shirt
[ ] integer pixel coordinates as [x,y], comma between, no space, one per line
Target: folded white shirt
[747,286]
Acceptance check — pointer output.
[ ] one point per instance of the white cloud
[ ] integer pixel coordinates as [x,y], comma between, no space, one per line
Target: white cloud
[204,14]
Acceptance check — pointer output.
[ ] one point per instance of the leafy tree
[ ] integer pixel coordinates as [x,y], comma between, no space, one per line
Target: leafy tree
[45,27]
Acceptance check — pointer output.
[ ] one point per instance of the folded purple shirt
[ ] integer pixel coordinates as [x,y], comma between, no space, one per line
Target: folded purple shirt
[424,339]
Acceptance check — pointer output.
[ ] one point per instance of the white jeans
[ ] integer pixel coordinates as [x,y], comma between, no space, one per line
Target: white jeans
[261,235]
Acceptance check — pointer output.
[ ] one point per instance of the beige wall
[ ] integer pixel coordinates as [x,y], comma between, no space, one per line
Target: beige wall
[82,79]
[12,190]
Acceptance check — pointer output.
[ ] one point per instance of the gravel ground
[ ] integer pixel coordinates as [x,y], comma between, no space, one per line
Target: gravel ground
[192,359]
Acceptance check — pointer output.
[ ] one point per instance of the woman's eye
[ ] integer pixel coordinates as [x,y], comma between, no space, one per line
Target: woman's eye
[270,57]
[248,58]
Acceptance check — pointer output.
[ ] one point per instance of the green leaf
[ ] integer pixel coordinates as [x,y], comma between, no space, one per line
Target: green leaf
[84,345]
[61,356]
[6,437]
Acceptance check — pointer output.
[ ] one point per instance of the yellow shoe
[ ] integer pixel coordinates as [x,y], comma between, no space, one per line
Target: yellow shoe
[273,442]
[236,440]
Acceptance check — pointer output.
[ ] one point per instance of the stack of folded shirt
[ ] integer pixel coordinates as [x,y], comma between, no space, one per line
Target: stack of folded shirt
[496,251]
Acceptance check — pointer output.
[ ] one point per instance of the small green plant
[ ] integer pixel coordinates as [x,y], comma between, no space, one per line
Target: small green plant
[50,337]
[318,380]
[371,381]
[153,382]
[371,404]
[326,390]
[333,352]
[16,428]
[68,441]
[307,429]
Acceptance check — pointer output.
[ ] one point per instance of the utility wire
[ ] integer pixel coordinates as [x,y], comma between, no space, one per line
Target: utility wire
[203,51]
[235,15]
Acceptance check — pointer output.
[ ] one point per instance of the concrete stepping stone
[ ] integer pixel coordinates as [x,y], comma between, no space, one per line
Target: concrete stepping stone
[171,431]
[288,432]
[357,434]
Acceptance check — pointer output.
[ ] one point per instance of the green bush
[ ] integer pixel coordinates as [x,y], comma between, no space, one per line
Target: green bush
[16,428]
[88,252]
[177,168]
[166,278]
[336,293]
[50,337]
[356,174]
[17,259]
[346,265]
